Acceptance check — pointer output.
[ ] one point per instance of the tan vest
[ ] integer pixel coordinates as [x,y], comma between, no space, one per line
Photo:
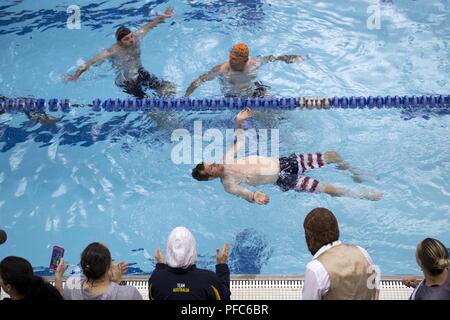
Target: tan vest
[349,273]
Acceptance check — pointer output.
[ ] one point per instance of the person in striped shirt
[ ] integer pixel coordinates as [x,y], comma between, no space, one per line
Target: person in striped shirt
[286,172]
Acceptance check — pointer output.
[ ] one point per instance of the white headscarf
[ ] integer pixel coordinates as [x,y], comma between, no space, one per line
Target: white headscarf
[181,248]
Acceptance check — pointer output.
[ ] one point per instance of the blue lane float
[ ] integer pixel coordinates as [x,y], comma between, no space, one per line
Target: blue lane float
[217,104]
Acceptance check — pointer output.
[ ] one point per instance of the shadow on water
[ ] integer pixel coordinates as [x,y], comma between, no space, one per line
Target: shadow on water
[84,131]
[26,21]
[153,128]
[424,113]
[235,12]
[250,253]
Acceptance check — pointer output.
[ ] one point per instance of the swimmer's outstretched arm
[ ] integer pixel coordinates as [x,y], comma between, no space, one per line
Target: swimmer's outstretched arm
[208,76]
[237,190]
[291,58]
[168,13]
[84,67]
[240,137]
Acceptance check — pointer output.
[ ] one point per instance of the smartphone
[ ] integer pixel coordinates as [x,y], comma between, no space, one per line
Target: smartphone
[57,254]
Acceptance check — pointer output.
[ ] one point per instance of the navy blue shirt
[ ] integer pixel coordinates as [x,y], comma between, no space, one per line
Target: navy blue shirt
[168,283]
[435,292]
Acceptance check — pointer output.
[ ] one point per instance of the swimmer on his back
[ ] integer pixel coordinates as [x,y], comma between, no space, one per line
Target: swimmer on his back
[286,172]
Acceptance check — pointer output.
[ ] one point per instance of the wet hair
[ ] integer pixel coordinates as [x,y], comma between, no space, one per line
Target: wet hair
[18,273]
[321,228]
[199,172]
[95,261]
[433,256]
[122,32]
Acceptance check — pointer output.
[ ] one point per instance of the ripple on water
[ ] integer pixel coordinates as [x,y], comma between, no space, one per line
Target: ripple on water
[21,188]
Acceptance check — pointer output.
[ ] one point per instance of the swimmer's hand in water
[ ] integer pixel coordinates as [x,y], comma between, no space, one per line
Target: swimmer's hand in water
[76,75]
[294,59]
[68,77]
[168,13]
[373,195]
[261,198]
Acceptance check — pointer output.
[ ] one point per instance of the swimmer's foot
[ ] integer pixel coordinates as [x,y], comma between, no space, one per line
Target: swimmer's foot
[360,176]
[373,195]
[357,174]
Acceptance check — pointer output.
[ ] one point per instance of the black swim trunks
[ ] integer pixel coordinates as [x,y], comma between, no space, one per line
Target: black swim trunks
[261,90]
[145,80]
[292,167]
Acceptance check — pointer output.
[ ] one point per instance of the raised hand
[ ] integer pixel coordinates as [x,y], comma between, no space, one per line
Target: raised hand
[123,267]
[222,257]
[158,255]
[115,274]
[244,114]
[62,267]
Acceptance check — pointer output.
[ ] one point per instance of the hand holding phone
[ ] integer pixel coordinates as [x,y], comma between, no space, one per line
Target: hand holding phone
[57,254]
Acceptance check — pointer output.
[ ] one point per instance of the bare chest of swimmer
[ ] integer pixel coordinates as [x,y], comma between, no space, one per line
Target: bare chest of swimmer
[240,77]
[129,54]
[254,170]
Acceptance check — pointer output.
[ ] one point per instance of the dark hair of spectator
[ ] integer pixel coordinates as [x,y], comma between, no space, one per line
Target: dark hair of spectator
[95,261]
[321,228]
[18,273]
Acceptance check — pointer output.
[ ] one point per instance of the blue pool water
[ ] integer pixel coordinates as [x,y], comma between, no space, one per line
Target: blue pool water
[110,178]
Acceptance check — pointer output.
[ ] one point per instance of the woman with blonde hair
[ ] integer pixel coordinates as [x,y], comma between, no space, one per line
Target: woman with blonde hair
[432,258]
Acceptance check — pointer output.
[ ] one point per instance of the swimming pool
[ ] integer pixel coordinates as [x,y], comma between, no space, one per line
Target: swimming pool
[109,177]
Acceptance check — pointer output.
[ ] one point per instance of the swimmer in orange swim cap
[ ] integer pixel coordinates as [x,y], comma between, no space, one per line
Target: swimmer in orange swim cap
[238,75]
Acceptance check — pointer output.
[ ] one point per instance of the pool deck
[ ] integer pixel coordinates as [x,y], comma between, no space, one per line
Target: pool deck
[277,287]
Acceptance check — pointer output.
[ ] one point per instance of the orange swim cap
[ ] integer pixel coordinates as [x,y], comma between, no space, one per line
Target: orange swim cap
[239,51]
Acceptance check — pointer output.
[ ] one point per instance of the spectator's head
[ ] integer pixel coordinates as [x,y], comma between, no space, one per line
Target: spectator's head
[207,171]
[3,236]
[17,280]
[181,248]
[432,256]
[125,37]
[321,228]
[95,261]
